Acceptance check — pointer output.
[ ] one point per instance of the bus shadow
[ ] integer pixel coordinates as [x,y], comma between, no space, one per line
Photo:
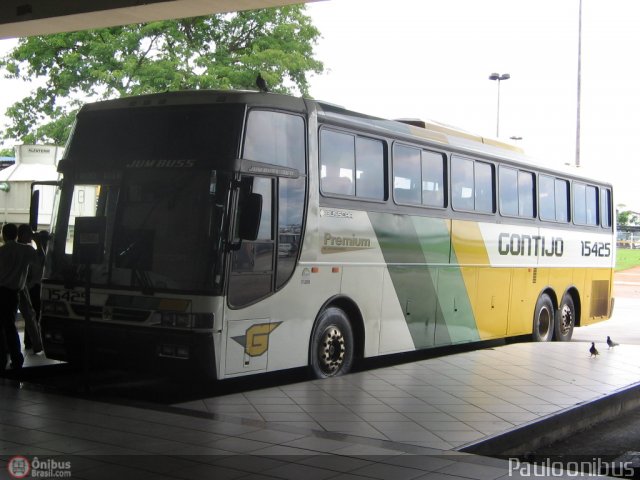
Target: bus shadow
[131,387]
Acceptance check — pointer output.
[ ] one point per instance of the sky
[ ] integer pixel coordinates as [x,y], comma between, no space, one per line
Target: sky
[431,59]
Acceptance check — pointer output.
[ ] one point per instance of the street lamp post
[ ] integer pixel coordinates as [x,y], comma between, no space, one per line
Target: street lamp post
[579,84]
[499,78]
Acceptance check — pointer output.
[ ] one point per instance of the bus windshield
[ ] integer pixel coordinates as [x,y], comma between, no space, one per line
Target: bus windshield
[162,229]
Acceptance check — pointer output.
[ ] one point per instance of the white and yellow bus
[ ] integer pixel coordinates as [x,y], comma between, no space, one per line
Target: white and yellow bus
[245,232]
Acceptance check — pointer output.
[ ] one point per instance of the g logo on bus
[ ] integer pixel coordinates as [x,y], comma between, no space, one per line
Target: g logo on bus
[256,338]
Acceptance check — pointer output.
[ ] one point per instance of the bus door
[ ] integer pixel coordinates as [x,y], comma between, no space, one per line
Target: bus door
[247,320]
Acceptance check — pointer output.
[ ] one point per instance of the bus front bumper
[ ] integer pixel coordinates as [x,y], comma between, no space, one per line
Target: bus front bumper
[160,350]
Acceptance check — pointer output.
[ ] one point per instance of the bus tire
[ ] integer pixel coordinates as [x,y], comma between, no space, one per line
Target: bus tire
[543,319]
[331,348]
[565,319]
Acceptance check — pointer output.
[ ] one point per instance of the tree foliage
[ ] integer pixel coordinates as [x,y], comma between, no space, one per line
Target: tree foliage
[627,217]
[623,217]
[224,51]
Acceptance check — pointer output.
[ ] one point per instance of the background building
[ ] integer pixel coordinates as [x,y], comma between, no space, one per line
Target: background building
[32,163]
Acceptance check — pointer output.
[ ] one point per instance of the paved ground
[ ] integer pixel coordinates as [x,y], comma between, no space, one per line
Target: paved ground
[624,326]
[445,402]
[400,422]
[618,436]
[627,283]
[455,400]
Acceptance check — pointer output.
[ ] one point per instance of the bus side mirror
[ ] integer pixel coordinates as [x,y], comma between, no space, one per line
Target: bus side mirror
[249,218]
[33,210]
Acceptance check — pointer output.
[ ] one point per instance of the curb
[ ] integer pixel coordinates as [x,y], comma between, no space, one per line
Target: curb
[527,438]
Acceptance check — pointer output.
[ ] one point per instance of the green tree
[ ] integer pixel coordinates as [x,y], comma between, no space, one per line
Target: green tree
[224,51]
[623,217]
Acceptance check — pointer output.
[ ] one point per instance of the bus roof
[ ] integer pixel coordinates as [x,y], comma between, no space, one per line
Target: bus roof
[200,97]
[446,136]
[429,131]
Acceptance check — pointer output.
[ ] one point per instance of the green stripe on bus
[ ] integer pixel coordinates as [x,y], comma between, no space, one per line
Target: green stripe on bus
[424,244]
[455,320]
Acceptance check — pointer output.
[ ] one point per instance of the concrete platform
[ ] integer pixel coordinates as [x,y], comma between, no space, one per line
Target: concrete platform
[444,403]
[408,421]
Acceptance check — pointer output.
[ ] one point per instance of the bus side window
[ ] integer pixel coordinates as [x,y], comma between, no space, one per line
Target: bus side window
[526,192]
[336,183]
[483,182]
[462,195]
[562,200]
[433,179]
[579,207]
[275,137]
[291,195]
[370,169]
[605,207]
[508,190]
[407,177]
[547,198]
[516,192]
[337,163]
[592,205]
[585,204]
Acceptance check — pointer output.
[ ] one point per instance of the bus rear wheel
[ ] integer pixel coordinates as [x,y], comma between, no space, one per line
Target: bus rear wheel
[331,349]
[565,320]
[543,319]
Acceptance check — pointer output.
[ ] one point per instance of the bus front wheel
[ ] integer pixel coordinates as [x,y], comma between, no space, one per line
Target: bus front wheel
[331,349]
[565,320]
[543,319]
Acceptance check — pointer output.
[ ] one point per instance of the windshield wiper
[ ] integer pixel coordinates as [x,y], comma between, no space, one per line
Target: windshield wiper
[145,282]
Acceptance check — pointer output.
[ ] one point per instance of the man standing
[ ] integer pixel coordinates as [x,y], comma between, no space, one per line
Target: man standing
[15,260]
[28,303]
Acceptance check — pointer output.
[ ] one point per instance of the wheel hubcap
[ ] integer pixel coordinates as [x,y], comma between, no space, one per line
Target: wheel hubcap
[544,322]
[566,319]
[332,350]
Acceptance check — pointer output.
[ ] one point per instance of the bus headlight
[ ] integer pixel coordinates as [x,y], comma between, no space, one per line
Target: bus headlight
[175,320]
[54,337]
[54,308]
[185,320]
[174,351]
